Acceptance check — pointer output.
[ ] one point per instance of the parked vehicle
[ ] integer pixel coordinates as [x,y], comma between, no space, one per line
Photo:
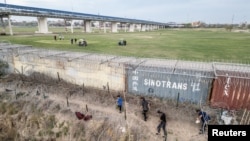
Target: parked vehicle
[122,42]
[82,42]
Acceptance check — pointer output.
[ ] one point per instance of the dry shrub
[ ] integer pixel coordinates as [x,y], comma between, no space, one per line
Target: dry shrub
[7,132]
[33,121]
[3,108]
[43,119]
[21,117]
[102,130]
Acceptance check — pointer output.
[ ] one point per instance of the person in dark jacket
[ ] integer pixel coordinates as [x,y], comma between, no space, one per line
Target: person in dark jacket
[204,118]
[162,123]
[145,107]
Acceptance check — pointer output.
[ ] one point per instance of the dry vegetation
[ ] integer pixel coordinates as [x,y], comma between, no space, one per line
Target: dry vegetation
[39,108]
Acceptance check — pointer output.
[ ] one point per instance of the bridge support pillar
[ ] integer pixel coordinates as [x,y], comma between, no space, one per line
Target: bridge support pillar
[155,27]
[10,27]
[114,27]
[125,26]
[150,27]
[131,27]
[143,27]
[3,25]
[42,25]
[72,26]
[138,27]
[104,27]
[87,26]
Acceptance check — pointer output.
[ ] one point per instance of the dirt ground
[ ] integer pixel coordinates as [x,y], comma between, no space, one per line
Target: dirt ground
[62,100]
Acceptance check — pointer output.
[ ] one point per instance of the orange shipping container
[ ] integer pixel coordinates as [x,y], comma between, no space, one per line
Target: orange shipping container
[231,90]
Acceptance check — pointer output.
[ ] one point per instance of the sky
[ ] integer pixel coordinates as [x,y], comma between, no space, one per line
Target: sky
[179,11]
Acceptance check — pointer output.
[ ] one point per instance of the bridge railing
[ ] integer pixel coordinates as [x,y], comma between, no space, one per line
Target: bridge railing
[25,10]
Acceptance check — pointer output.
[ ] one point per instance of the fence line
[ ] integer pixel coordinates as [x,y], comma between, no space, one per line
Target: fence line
[148,76]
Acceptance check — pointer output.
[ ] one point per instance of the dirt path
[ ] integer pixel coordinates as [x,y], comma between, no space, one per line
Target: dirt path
[180,121]
[177,129]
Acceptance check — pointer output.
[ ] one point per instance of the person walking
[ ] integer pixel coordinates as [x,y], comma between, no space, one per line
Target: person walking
[119,102]
[145,107]
[204,118]
[162,124]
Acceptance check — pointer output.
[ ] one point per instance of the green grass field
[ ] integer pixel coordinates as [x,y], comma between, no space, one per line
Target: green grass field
[187,44]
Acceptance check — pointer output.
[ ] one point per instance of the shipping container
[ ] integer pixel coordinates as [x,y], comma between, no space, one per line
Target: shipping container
[231,90]
[170,82]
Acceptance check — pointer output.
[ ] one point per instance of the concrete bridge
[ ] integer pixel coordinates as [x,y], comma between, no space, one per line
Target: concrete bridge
[7,10]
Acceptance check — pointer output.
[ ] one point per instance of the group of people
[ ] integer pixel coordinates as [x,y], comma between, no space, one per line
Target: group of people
[81,42]
[145,105]
[145,108]
[61,37]
[72,40]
